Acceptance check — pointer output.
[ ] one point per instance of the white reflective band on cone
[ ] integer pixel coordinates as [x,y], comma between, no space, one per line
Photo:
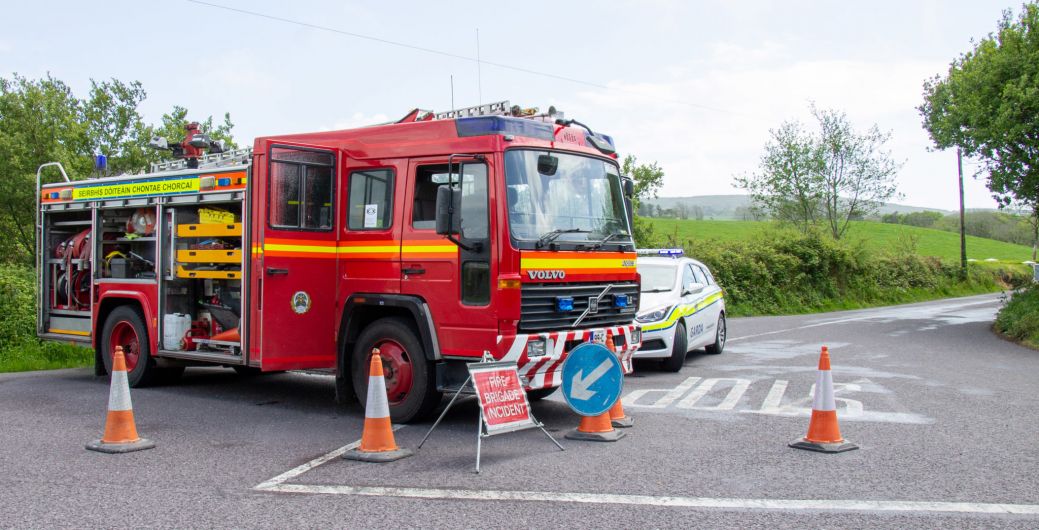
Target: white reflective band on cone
[378,406]
[824,392]
[119,395]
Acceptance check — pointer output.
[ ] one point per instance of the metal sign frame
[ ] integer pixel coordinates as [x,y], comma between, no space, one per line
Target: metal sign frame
[483,429]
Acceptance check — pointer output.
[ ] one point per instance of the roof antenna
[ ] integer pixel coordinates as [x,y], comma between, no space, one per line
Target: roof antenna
[452,92]
[479,72]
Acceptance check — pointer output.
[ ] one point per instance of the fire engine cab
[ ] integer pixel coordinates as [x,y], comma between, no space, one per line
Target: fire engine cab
[433,239]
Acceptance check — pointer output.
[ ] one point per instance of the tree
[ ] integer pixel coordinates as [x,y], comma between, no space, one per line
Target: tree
[858,175]
[43,122]
[648,180]
[988,106]
[836,174]
[787,186]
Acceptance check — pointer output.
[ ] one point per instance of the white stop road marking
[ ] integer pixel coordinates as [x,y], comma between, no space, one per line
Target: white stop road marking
[279,484]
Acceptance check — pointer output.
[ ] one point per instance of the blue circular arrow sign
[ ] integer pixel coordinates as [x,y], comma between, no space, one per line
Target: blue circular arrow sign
[592,379]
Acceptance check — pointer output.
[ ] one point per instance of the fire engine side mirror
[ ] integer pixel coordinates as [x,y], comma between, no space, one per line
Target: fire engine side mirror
[629,186]
[448,210]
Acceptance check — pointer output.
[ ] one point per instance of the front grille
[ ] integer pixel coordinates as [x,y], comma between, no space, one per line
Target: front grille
[538,310]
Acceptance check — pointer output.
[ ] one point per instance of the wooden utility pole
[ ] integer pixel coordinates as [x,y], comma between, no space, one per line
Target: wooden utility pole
[963,230]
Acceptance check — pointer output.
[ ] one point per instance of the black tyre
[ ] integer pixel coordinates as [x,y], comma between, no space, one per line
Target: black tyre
[678,350]
[719,337]
[410,378]
[541,393]
[125,327]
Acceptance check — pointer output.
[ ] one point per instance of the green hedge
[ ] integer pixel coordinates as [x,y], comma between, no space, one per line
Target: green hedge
[20,350]
[1018,319]
[784,272]
[17,305]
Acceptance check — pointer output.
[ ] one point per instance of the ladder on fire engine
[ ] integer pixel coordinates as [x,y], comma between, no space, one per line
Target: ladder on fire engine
[235,157]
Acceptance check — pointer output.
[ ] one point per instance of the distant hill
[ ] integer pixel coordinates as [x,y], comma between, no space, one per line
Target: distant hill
[737,207]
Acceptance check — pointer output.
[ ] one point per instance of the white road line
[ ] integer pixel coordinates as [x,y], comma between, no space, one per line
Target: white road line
[299,470]
[842,321]
[278,484]
[679,502]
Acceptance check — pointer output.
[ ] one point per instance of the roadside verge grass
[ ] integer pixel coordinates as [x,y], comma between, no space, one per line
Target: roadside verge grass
[36,355]
[1018,319]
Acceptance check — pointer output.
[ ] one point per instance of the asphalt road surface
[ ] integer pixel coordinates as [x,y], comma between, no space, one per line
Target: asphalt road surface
[944,413]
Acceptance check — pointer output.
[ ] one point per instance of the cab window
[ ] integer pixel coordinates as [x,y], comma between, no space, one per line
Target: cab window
[370,200]
[427,180]
[698,274]
[707,274]
[687,276]
[301,188]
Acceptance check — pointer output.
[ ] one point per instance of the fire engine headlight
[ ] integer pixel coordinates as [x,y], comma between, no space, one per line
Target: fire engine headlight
[536,348]
[654,315]
[636,335]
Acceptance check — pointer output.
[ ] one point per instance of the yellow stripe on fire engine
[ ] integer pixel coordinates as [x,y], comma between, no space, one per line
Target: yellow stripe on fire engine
[430,249]
[316,249]
[368,249]
[133,189]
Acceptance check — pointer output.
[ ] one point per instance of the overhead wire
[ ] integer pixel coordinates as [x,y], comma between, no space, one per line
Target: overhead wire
[443,53]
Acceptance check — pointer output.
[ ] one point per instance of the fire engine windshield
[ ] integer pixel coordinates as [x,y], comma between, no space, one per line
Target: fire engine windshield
[564,198]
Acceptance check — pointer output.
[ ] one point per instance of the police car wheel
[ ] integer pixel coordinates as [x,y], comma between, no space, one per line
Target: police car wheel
[719,337]
[410,378]
[678,350]
[541,393]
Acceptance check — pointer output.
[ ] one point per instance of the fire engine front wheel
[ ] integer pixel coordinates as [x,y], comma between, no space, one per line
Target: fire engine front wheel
[410,378]
[125,327]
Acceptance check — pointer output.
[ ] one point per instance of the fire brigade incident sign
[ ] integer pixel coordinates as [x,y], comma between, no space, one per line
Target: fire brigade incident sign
[169,186]
[501,396]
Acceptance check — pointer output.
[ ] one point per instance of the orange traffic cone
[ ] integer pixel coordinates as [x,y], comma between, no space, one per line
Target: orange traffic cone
[617,416]
[824,435]
[120,431]
[377,444]
[596,428]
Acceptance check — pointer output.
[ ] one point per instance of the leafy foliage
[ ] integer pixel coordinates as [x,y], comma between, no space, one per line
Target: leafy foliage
[649,178]
[1018,319]
[988,106]
[836,174]
[44,122]
[783,271]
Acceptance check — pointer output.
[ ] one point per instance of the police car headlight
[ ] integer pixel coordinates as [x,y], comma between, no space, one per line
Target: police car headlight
[654,315]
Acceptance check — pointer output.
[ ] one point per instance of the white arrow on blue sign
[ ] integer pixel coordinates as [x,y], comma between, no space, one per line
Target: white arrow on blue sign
[592,379]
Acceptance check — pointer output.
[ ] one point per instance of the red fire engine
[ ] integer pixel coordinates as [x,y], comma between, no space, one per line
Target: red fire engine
[434,239]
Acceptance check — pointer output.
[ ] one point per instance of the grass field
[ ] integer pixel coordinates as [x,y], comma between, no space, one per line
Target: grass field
[878,237]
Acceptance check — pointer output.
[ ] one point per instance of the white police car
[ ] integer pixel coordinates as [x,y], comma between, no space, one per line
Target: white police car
[682,308]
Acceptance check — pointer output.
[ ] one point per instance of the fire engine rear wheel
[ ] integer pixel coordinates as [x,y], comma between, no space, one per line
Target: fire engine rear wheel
[125,327]
[410,378]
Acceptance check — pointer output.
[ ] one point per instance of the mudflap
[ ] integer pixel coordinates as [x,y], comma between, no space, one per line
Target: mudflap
[451,375]
[344,389]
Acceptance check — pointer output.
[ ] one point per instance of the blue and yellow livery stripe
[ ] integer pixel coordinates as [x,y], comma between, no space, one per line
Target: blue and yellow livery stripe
[681,311]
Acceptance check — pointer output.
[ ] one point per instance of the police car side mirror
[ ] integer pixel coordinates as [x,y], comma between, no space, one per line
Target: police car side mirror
[448,210]
[693,288]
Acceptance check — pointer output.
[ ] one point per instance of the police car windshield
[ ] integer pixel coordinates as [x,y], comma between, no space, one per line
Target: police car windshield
[579,196]
[657,278]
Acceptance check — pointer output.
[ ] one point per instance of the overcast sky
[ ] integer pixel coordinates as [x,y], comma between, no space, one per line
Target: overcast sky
[694,86]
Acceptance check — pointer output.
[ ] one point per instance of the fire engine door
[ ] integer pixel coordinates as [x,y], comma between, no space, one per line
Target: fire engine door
[298,274]
[455,281]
